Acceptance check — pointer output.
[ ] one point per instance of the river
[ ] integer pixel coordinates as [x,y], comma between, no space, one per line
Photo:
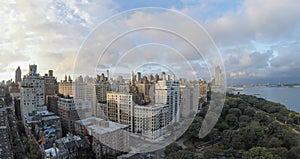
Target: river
[288,96]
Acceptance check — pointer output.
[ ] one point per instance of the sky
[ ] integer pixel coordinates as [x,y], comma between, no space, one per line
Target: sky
[258,40]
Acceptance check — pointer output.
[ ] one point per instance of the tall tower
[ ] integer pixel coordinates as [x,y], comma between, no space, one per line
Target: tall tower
[173,77]
[138,77]
[18,75]
[107,74]
[132,77]
[219,77]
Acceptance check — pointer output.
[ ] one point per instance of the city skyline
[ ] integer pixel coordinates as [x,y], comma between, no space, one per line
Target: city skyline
[253,50]
[18,75]
[149,110]
[149,79]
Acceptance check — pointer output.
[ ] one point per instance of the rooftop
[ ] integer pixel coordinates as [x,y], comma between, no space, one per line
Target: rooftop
[44,113]
[52,117]
[67,139]
[51,152]
[100,126]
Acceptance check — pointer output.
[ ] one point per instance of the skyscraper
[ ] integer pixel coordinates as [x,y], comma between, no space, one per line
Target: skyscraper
[219,77]
[32,92]
[51,85]
[18,75]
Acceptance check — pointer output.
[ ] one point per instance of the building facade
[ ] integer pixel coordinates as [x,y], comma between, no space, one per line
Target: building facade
[18,75]
[120,108]
[51,84]
[32,92]
[150,120]
[65,87]
[108,137]
[5,144]
[167,93]
[68,113]
[189,100]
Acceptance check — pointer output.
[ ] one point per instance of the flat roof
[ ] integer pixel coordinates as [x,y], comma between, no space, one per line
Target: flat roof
[53,117]
[93,123]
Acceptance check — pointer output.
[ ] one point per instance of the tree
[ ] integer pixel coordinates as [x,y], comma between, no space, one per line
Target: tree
[193,130]
[294,153]
[231,119]
[249,112]
[259,153]
[244,118]
[32,150]
[274,142]
[222,126]
[182,154]
[213,134]
[280,151]
[250,136]
[235,111]
[213,153]
[173,147]
[262,117]
[228,135]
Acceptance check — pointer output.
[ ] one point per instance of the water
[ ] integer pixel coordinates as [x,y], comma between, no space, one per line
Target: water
[290,97]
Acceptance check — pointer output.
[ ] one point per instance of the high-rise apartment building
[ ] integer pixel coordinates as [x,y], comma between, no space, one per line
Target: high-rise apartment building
[18,75]
[219,77]
[150,120]
[203,87]
[68,113]
[120,108]
[5,144]
[101,89]
[138,77]
[79,89]
[90,95]
[51,84]
[65,86]
[14,90]
[189,96]
[51,101]
[148,90]
[32,92]
[167,92]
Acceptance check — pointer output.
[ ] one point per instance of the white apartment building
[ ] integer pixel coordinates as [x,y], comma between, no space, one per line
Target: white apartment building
[120,108]
[150,120]
[32,92]
[167,93]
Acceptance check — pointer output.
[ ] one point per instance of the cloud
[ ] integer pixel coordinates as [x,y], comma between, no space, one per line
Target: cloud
[264,21]
[48,33]
[242,29]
